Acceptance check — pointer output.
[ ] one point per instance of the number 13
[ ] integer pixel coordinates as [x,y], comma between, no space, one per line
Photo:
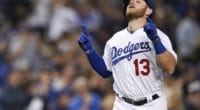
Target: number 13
[146,67]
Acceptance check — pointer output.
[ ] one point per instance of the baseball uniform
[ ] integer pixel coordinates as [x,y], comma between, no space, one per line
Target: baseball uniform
[131,58]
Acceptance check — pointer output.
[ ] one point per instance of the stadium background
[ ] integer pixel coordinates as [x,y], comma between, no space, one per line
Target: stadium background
[42,67]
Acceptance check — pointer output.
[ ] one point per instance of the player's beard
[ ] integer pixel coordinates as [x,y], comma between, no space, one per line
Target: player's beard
[136,14]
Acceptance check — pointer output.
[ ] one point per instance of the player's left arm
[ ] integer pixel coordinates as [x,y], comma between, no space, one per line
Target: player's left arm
[167,61]
[165,57]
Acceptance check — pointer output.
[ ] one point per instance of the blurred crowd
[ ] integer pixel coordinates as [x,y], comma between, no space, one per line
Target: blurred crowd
[42,67]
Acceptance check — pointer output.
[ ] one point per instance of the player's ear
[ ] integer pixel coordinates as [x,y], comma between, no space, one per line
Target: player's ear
[149,11]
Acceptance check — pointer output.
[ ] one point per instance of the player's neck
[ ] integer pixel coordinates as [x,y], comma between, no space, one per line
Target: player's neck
[135,24]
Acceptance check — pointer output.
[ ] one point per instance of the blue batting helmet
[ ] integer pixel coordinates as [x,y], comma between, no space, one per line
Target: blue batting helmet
[150,3]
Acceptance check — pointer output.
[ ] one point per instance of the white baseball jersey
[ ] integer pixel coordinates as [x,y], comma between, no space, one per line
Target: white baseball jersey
[131,58]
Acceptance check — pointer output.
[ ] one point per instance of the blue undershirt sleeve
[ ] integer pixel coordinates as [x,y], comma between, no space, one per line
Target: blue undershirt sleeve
[98,64]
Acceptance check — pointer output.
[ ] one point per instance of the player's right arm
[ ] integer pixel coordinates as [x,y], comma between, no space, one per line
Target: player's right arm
[96,61]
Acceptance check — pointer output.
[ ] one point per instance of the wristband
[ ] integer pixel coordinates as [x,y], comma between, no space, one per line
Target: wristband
[159,47]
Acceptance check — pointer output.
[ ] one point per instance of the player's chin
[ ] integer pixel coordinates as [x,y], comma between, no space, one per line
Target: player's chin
[132,15]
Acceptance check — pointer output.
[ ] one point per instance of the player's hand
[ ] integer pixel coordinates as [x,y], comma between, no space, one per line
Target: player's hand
[85,40]
[151,30]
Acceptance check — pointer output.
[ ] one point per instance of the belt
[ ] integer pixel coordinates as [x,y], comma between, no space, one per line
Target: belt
[138,102]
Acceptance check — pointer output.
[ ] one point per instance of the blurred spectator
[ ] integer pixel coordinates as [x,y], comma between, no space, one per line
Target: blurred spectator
[23,50]
[84,99]
[40,90]
[196,56]
[5,69]
[187,32]
[173,90]
[108,101]
[59,84]
[64,19]
[100,85]
[89,15]
[16,95]
[36,104]
[41,14]
[193,97]
[63,99]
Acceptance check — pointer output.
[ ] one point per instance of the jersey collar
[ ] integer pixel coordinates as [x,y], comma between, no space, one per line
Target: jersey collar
[130,32]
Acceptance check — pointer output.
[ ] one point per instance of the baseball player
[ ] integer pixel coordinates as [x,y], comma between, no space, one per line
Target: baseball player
[138,57]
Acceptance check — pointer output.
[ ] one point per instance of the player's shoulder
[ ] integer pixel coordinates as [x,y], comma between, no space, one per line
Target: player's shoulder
[164,37]
[161,33]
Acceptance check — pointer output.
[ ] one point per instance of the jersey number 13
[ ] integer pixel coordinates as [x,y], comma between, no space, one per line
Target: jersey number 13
[145,64]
